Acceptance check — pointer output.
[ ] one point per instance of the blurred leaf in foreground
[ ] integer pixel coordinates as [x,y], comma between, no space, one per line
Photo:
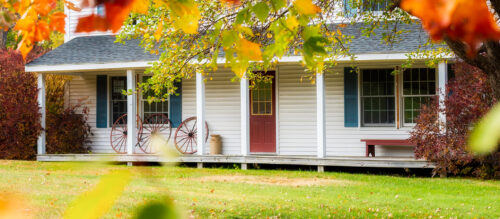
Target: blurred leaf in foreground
[96,202]
[12,206]
[158,210]
[486,135]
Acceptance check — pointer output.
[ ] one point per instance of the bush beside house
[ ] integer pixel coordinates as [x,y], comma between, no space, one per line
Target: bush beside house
[67,129]
[469,98]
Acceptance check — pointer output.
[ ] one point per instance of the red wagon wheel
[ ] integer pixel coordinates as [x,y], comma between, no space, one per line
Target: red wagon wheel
[185,136]
[156,124]
[119,133]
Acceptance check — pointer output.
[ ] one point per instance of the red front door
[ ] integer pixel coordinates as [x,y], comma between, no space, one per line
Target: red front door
[263,117]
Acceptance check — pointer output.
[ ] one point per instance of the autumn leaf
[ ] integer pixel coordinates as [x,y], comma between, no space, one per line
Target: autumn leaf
[306,7]
[140,6]
[249,50]
[57,22]
[91,23]
[44,7]
[232,2]
[485,137]
[158,31]
[42,31]
[94,203]
[186,15]
[463,20]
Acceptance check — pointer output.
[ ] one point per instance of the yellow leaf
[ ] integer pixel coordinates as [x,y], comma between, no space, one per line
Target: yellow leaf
[292,23]
[159,31]
[95,203]
[249,50]
[187,14]
[306,7]
[140,6]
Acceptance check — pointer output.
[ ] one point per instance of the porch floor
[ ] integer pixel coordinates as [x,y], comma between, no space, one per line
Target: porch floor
[384,162]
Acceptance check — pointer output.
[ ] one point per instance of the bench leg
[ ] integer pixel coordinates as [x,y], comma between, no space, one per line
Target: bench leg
[370,149]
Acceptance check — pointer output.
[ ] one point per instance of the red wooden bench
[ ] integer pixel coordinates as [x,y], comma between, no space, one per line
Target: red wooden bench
[370,144]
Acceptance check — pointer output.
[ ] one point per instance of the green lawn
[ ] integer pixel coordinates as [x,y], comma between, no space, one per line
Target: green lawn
[50,187]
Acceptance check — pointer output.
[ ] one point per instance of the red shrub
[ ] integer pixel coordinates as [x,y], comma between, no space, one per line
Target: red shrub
[67,131]
[470,97]
[19,115]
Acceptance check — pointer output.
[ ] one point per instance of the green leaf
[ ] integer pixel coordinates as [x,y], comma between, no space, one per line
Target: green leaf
[486,135]
[242,16]
[158,210]
[315,44]
[228,38]
[278,4]
[261,11]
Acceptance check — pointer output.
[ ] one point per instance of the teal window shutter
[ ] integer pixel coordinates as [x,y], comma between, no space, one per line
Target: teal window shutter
[102,101]
[176,106]
[349,9]
[350,98]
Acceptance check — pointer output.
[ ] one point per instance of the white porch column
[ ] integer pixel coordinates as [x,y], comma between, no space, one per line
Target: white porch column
[320,115]
[245,116]
[442,80]
[131,113]
[41,103]
[200,113]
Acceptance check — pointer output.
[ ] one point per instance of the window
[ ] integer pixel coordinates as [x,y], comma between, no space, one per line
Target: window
[419,86]
[375,5]
[377,97]
[118,99]
[351,6]
[262,99]
[101,10]
[158,107]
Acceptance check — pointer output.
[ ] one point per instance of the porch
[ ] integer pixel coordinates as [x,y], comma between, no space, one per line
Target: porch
[331,161]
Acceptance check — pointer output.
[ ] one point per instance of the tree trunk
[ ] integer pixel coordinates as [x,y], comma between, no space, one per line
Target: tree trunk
[3,39]
[494,79]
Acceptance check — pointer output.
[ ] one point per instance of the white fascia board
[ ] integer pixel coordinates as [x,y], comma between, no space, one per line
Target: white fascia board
[87,67]
[221,61]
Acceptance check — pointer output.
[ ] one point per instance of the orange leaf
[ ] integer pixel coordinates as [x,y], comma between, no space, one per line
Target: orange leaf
[43,7]
[232,2]
[159,31]
[116,13]
[42,31]
[469,21]
[306,7]
[57,22]
[25,24]
[25,47]
[91,23]
[249,50]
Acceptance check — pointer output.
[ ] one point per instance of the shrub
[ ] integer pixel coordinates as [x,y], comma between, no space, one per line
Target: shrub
[19,112]
[469,98]
[67,130]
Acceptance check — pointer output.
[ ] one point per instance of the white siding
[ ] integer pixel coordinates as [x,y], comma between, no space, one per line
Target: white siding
[297,112]
[222,105]
[343,141]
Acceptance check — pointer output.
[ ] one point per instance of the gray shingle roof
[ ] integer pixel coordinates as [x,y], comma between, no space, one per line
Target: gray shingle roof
[103,49]
[95,50]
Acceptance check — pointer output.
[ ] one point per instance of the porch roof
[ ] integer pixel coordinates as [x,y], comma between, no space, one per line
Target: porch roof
[101,52]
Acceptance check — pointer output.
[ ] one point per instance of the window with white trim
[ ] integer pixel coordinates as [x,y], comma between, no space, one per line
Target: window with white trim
[155,107]
[377,97]
[118,99]
[419,87]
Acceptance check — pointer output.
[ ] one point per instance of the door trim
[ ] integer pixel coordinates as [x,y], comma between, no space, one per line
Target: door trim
[276,116]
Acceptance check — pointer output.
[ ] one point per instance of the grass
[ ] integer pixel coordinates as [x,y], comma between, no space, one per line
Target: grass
[50,188]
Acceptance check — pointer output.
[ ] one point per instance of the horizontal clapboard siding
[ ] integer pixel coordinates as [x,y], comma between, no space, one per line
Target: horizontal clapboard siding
[342,141]
[297,112]
[222,102]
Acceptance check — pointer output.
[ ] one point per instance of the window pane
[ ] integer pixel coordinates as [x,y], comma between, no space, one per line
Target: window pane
[378,97]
